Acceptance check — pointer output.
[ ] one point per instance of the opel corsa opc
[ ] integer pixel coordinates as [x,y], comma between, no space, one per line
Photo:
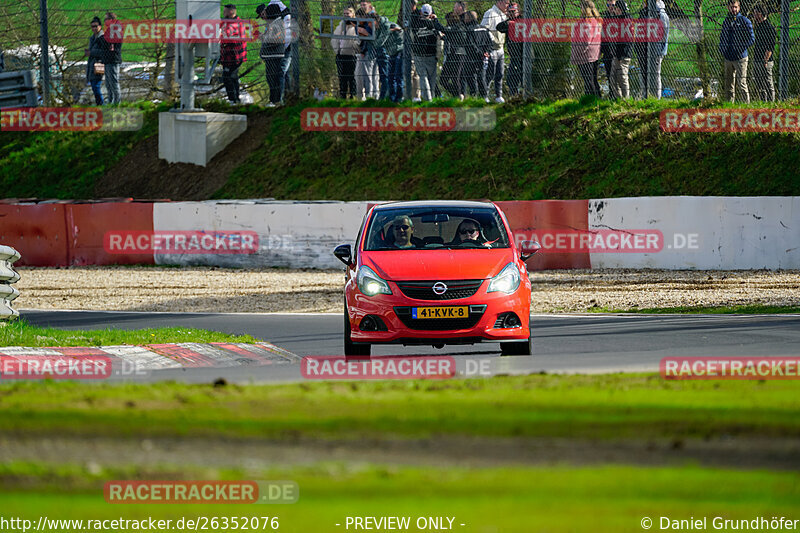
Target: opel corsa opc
[436,273]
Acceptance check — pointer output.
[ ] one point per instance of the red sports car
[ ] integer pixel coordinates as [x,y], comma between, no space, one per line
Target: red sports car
[436,273]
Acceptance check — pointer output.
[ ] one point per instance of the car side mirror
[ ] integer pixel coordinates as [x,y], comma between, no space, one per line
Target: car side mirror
[528,248]
[344,253]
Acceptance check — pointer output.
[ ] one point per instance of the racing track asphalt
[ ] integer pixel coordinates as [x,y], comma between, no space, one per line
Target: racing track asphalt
[562,343]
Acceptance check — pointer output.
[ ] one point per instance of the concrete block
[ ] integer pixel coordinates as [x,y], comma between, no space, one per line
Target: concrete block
[196,137]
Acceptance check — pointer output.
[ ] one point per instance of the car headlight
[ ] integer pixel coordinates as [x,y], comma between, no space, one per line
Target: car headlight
[506,281]
[370,284]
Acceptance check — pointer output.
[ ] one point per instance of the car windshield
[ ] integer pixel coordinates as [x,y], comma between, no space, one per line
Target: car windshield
[436,228]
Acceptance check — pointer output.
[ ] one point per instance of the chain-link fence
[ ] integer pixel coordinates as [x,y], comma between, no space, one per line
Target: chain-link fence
[692,67]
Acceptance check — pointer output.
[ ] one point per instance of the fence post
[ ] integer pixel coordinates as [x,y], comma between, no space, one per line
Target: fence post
[527,55]
[295,9]
[407,49]
[44,44]
[783,66]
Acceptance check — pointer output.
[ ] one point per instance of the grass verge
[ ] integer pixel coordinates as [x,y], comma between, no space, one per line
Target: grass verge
[616,406]
[20,333]
[752,309]
[548,498]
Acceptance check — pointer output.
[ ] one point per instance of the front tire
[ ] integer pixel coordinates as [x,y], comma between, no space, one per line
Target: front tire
[351,348]
[517,348]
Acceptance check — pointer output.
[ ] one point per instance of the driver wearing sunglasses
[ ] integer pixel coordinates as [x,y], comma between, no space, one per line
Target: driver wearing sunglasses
[403,230]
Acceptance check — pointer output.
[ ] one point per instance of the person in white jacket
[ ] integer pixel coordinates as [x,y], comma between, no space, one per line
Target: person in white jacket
[496,65]
[346,53]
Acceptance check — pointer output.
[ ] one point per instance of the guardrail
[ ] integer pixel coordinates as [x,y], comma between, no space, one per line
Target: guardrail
[8,256]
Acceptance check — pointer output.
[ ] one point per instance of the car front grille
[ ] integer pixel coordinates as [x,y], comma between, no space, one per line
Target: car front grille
[440,324]
[423,290]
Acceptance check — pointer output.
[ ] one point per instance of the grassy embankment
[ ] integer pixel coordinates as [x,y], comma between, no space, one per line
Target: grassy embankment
[558,149]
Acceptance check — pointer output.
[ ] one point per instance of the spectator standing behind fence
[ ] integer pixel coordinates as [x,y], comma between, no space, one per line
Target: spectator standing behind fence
[585,53]
[376,49]
[454,54]
[112,61]
[659,50]
[2,61]
[606,46]
[361,65]
[514,75]
[346,52]
[622,49]
[233,51]
[96,52]
[496,63]
[273,46]
[427,30]
[394,49]
[763,60]
[479,45]
[369,67]
[734,40]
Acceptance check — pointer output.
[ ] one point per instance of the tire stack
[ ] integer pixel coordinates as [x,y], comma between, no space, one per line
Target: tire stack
[8,276]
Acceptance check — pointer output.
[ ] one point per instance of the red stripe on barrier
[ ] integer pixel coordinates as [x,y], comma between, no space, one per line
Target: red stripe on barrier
[37,231]
[88,224]
[526,217]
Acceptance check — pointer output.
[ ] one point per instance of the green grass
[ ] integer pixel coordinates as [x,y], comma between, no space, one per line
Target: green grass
[615,406]
[64,164]
[547,498]
[20,333]
[753,309]
[555,149]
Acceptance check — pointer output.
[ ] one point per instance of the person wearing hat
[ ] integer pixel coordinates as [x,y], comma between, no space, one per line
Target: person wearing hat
[276,42]
[423,50]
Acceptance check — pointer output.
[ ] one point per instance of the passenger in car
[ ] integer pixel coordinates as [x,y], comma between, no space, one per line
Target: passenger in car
[469,230]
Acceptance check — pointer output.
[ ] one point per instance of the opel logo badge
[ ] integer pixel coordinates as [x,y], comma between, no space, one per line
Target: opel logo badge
[439,288]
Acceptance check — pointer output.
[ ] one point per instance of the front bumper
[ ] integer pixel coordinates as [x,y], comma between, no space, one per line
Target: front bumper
[484,309]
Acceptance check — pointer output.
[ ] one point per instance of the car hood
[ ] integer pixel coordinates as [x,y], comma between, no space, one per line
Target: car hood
[417,265]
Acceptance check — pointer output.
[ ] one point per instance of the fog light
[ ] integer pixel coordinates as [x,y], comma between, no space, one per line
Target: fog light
[372,323]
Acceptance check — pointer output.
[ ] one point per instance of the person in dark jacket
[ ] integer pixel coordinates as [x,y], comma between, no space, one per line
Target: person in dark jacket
[763,57]
[273,46]
[479,45]
[734,40]
[454,54]
[112,61]
[96,53]
[2,61]
[514,48]
[427,31]
[622,51]
[233,52]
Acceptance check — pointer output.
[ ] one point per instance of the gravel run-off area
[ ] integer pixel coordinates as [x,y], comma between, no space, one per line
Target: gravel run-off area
[283,290]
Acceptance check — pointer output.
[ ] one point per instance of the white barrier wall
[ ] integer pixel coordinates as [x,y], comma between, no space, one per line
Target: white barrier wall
[290,234]
[724,233]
